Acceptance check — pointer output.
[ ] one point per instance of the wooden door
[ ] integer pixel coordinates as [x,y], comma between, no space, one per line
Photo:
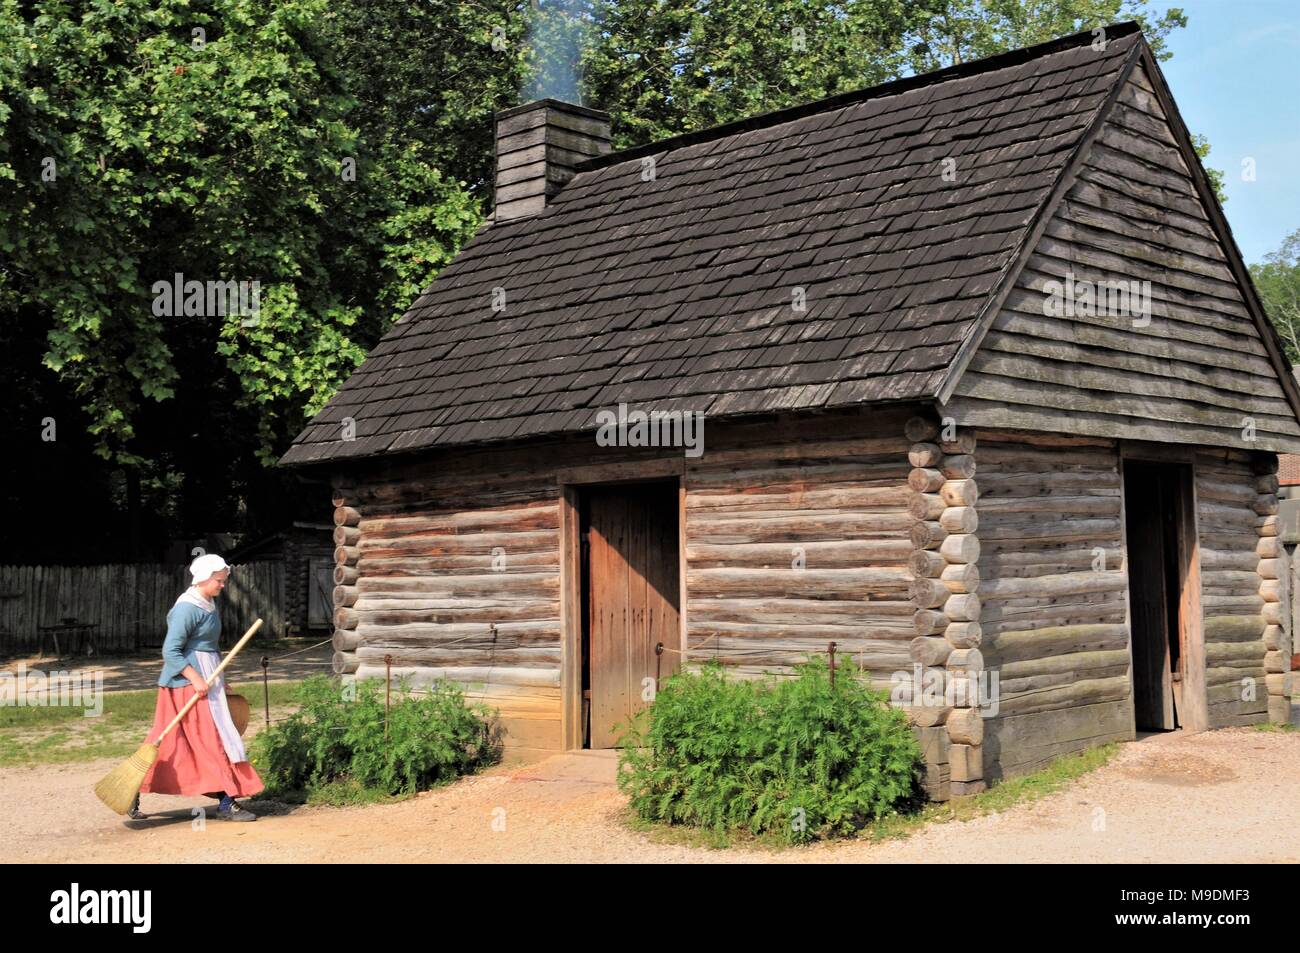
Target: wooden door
[632,592]
[320,595]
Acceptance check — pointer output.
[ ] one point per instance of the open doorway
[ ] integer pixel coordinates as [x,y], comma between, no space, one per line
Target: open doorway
[1161,540]
[630,598]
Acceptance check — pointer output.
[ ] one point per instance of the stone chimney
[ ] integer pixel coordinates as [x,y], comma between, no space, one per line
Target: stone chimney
[538,146]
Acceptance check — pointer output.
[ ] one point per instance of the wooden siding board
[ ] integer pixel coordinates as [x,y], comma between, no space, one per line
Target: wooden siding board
[128,603]
[1199,372]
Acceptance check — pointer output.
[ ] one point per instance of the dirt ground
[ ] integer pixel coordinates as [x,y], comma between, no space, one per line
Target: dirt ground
[1226,796]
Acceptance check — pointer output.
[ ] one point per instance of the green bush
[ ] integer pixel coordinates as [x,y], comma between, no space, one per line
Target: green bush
[431,738]
[728,754]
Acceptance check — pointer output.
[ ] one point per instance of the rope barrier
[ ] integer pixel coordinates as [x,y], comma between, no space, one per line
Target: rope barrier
[273,658]
[734,653]
[832,648]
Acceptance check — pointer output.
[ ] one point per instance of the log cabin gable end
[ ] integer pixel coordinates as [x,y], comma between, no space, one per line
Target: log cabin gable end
[1129,312]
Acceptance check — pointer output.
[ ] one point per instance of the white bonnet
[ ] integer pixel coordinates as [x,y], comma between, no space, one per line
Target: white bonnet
[203,567]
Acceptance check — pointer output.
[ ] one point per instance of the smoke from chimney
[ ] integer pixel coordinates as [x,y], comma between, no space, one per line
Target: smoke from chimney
[555,41]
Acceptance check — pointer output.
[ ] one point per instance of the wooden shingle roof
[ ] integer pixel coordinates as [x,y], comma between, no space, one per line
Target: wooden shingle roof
[678,292]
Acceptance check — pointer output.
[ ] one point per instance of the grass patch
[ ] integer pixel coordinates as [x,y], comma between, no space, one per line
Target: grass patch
[1004,796]
[1001,797]
[1269,726]
[64,735]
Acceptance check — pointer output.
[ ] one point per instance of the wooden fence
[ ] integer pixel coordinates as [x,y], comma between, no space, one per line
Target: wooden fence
[128,602]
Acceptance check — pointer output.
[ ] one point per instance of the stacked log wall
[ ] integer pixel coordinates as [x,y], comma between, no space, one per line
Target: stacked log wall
[870,532]
[1055,599]
[455,574]
[1237,524]
[797,539]
[1274,588]
[796,535]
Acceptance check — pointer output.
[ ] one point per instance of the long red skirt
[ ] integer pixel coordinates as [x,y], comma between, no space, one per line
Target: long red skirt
[191,759]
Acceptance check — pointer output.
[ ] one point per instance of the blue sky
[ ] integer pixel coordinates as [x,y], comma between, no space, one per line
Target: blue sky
[1235,74]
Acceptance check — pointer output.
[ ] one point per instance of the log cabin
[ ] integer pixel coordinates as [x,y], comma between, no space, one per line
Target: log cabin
[987,398]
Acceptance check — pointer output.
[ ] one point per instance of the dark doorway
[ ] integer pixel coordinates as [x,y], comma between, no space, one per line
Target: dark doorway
[631,590]
[1156,501]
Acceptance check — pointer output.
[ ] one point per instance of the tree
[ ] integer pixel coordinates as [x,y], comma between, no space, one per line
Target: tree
[1277,279]
[145,139]
[1201,145]
[213,139]
[658,67]
[962,30]
[431,76]
[667,68]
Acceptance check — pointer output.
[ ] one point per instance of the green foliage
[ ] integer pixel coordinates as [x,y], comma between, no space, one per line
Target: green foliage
[667,68]
[663,68]
[1269,726]
[431,76]
[1277,279]
[789,756]
[134,150]
[431,739]
[957,31]
[1201,146]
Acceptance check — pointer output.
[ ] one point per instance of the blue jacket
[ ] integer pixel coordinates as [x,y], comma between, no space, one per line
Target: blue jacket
[189,630]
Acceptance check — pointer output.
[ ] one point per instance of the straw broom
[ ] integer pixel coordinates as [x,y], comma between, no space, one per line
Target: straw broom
[120,786]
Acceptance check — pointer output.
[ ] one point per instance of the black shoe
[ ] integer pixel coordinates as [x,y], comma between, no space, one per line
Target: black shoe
[236,813]
[135,813]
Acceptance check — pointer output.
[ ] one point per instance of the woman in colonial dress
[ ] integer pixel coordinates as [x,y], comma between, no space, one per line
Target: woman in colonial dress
[203,755]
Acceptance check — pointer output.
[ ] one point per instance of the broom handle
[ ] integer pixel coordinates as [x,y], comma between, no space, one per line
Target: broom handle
[212,678]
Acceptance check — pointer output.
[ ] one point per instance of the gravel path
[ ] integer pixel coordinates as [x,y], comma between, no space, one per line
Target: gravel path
[1228,796]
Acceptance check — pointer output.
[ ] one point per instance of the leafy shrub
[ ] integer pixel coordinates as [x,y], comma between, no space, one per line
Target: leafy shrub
[728,754]
[431,738]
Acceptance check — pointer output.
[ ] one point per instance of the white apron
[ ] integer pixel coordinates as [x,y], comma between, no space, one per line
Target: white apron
[230,740]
